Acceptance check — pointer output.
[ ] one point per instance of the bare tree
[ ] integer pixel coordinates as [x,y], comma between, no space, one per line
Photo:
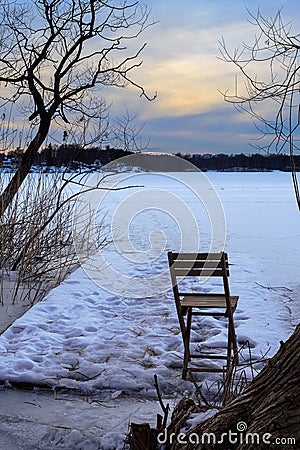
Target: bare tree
[270,67]
[55,57]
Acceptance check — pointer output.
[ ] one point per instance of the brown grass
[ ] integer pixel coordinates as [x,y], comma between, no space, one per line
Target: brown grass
[36,253]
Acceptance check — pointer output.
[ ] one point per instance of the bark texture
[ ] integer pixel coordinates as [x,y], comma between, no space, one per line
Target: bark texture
[270,405]
[142,437]
[24,166]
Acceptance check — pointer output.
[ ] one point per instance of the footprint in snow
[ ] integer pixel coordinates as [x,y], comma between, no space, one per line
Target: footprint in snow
[91,329]
[76,294]
[90,300]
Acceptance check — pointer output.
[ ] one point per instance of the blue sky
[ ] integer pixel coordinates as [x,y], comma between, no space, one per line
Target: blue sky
[181,63]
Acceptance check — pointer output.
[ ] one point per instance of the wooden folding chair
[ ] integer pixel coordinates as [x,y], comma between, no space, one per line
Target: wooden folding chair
[189,304]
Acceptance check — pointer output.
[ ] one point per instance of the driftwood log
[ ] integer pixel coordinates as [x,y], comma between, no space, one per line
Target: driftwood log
[266,415]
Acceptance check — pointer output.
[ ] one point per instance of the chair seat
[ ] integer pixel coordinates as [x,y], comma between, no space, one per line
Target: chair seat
[209,301]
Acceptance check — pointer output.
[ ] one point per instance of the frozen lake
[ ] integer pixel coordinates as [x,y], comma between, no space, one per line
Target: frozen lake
[262,221]
[107,335]
[254,216]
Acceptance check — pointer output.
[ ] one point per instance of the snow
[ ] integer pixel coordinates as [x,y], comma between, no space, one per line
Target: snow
[197,418]
[105,334]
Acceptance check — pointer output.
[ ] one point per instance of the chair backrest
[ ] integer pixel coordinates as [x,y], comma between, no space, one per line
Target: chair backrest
[199,264]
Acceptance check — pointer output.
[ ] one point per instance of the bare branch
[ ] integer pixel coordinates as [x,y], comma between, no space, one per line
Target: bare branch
[58,54]
[272,95]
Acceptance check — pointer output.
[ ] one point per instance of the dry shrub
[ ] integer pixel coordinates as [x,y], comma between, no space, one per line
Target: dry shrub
[36,251]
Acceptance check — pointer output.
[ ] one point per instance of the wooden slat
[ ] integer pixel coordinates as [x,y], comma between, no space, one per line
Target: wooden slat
[200,272]
[179,264]
[209,301]
[200,294]
[207,356]
[204,369]
[197,256]
[209,314]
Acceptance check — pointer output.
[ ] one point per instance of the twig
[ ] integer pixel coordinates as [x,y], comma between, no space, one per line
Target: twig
[274,288]
[199,392]
[166,408]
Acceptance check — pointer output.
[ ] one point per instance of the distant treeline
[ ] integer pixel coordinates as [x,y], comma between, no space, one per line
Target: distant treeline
[74,157]
[254,162]
[66,156]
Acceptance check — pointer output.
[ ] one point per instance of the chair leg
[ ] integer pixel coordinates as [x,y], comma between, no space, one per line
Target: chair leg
[227,383]
[229,346]
[235,348]
[234,342]
[232,359]
[186,339]
[232,349]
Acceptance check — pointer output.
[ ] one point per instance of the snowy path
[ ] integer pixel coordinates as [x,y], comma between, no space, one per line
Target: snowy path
[83,337]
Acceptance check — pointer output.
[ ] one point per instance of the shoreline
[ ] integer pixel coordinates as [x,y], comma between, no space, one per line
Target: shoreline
[17,296]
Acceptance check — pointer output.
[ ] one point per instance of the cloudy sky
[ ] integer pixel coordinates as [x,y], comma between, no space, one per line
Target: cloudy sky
[181,63]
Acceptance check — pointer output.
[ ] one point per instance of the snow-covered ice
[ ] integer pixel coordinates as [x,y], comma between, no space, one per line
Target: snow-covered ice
[83,336]
[35,420]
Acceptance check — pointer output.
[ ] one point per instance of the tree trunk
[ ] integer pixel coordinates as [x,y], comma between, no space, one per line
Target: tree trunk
[269,407]
[25,165]
[141,437]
